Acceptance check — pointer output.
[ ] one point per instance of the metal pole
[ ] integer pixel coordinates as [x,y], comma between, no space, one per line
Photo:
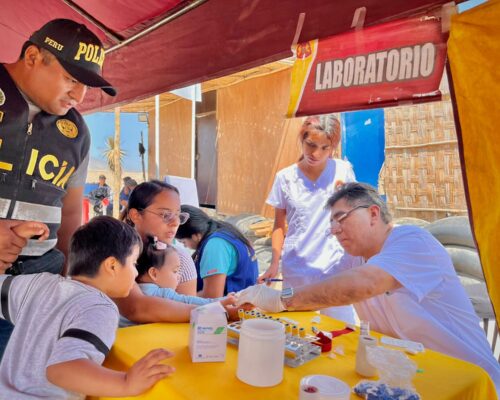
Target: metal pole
[193,131]
[157,136]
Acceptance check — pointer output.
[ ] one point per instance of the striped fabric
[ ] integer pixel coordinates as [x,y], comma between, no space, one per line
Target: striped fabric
[187,271]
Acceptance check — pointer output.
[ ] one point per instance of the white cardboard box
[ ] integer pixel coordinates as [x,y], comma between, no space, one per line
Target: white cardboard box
[208,333]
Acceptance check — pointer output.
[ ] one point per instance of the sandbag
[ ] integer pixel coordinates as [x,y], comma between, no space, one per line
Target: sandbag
[235,219]
[264,256]
[243,222]
[263,241]
[478,295]
[410,221]
[452,230]
[466,261]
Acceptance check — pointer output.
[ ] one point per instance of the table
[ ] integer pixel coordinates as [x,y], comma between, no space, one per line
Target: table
[443,377]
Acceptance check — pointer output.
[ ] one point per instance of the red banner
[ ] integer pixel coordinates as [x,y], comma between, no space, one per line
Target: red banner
[388,64]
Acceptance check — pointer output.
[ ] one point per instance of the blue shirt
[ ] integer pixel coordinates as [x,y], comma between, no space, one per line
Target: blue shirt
[219,257]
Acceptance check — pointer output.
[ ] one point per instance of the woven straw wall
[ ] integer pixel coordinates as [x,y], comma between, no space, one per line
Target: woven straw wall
[422,176]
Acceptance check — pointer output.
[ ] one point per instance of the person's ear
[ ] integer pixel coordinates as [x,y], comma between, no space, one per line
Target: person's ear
[153,273]
[196,238]
[31,54]
[134,215]
[374,213]
[110,266]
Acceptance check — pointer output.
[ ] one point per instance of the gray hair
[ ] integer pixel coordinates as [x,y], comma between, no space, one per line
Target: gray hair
[355,193]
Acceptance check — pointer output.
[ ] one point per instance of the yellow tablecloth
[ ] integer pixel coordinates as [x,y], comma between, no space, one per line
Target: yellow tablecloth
[442,378]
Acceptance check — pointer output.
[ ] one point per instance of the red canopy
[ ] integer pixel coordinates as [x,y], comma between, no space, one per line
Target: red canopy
[215,38]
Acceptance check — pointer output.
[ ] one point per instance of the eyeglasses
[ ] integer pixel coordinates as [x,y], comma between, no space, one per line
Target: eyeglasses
[337,220]
[168,216]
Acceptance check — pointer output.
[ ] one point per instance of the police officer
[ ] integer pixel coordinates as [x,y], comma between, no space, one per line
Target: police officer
[44,142]
[99,194]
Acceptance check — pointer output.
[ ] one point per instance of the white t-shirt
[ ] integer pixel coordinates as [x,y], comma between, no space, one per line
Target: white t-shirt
[187,270]
[43,307]
[431,307]
[310,253]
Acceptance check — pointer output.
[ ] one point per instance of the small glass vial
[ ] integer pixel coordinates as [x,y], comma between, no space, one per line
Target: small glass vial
[364,328]
[302,332]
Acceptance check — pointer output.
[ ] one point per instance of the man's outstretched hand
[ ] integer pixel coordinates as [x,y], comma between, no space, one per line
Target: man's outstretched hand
[261,296]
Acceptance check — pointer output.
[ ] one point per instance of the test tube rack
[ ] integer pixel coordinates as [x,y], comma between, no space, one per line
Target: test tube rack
[299,347]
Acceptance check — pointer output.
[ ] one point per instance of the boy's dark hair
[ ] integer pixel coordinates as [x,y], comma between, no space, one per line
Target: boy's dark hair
[153,255]
[97,240]
[355,193]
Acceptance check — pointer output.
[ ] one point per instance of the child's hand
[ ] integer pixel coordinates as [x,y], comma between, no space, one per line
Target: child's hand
[229,300]
[147,371]
[28,229]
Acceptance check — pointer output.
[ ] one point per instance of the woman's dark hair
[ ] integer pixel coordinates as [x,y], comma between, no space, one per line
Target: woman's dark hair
[143,195]
[97,240]
[153,255]
[199,222]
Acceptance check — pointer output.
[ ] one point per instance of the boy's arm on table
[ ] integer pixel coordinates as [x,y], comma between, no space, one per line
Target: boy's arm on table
[85,376]
[139,308]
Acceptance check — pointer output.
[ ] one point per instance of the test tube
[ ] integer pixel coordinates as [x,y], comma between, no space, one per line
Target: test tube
[295,330]
[302,332]
[364,328]
[241,314]
[247,315]
[288,329]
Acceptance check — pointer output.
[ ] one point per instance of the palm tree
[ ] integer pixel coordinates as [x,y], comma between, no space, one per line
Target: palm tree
[114,157]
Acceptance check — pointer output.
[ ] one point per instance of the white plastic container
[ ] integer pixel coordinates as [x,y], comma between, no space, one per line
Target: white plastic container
[323,387]
[261,352]
[363,367]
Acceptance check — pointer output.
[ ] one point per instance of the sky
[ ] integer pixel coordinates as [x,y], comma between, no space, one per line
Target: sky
[102,124]
[469,4]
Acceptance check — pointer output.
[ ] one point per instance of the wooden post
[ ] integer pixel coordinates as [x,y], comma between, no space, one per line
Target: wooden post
[118,166]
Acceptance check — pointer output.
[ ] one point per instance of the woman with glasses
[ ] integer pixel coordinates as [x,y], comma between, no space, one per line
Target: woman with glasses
[154,210]
[308,252]
[224,258]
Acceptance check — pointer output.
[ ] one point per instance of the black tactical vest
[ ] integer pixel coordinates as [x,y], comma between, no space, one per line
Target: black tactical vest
[36,161]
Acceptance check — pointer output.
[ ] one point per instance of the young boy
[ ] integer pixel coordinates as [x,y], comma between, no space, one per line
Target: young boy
[64,327]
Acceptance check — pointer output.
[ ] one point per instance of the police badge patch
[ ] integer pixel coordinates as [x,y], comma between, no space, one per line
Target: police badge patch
[67,128]
[2,97]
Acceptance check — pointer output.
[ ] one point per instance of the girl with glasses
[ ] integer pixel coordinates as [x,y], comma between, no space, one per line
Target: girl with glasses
[224,258]
[154,210]
[299,195]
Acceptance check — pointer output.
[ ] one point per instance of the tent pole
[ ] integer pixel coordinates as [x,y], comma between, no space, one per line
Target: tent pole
[157,135]
[165,20]
[193,131]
